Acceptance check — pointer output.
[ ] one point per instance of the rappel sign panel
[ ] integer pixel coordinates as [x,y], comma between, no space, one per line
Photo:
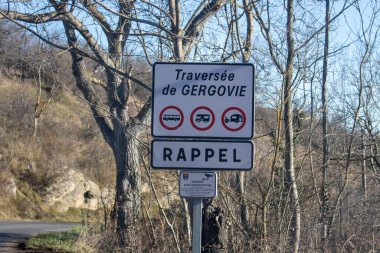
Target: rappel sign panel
[203,100]
[215,155]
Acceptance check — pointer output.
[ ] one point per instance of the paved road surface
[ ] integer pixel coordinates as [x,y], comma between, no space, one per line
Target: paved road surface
[14,233]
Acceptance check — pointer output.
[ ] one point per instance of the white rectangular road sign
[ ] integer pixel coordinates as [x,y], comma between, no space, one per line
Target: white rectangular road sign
[198,184]
[213,155]
[203,100]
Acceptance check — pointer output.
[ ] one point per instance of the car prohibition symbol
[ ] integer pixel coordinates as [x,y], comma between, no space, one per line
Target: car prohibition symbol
[234,118]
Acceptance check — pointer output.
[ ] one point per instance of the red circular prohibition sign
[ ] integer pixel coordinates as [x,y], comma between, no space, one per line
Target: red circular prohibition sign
[243,120]
[212,118]
[163,123]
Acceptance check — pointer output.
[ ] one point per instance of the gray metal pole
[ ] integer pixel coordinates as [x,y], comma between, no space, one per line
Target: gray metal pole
[197,225]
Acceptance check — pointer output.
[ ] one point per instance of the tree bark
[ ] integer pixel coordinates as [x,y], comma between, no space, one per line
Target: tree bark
[128,186]
[122,140]
[324,189]
[240,185]
[295,223]
[245,49]
[364,167]
[212,228]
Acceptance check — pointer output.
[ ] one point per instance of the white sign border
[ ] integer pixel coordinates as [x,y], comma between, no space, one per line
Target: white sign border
[202,168]
[204,137]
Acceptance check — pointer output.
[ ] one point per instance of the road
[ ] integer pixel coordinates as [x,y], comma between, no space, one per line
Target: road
[15,233]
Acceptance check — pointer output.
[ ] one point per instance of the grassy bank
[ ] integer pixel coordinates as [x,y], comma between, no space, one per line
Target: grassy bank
[57,242]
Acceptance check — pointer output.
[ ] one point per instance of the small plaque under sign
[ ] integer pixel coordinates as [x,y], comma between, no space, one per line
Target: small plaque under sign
[199,184]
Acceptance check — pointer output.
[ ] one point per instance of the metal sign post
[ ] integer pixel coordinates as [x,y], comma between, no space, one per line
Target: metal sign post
[197,185]
[197,225]
[202,118]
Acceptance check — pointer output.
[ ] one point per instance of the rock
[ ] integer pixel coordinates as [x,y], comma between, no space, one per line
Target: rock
[73,189]
[10,188]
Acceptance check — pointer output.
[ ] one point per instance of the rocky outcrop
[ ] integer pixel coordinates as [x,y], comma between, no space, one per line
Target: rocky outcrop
[73,189]
[10,188]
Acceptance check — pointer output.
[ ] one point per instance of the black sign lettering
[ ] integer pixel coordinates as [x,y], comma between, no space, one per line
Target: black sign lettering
[202,90]
[204,76]
[181,155]
[195,152]
[236,160]
[167,90]
[167,154]
[242,91]
[222,155]
[210,90]
[209,154]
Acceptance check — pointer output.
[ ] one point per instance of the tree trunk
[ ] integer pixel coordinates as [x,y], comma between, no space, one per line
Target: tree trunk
[35,129]
[128,184]
[295,225]
[240,185]
[187,215]
[212,228]
[120,137]
[324,189]
[364,168]
[264,231]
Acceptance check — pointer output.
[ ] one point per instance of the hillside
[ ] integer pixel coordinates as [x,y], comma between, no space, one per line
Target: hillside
[67,139]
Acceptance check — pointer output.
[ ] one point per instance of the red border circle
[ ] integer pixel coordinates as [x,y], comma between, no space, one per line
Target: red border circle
[212,116]
[175,108]
[242,113]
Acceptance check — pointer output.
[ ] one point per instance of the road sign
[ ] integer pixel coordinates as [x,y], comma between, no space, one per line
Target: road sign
[203,100]
[213,155]
[197,184]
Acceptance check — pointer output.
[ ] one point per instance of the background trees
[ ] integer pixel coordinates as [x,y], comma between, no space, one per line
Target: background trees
[108,45]
[309,164]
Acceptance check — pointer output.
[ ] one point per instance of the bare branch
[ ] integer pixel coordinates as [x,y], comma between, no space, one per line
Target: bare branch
[265,29]
[196,24]
[94,12]
[30,18]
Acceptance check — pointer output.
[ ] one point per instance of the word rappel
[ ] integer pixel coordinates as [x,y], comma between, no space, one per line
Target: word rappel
[194,154]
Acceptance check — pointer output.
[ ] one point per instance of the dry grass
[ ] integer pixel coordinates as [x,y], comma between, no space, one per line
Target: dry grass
[67,137]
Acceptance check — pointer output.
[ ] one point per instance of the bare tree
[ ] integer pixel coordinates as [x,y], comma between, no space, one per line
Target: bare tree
[245,51]
[287,96]
[324,188]
[119,23]
[367,35]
